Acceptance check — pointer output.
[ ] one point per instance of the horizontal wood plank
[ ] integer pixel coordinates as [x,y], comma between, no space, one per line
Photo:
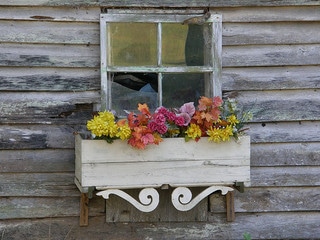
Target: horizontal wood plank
[285,176]
[38,136]
[277,199]
[234,14]
[269,14]
[38,185]
[89,33]
[270,33]
[75,107]
[273,106]
[268,78]
[27,161]
[49,79]
[49,32]
[62,14]
[285,154]
[293,225]
[88,56]
[14,207]
[285,132]
[162,3]
[28,55]
[270,55]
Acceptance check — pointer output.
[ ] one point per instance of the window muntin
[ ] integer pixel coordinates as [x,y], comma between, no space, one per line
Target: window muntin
[160,46]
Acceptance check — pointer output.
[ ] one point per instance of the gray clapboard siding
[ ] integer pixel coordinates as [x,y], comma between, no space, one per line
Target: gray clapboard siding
[267,106]
[162,3]
[37,161]
[270,55]
[270,199]
[266,33]
[286,105]
[235,14]
[29,55]
[285,176]
[47,107]
[87,56]
[38,185]
[270,14]
[49,79]
[268,78]
[290,132]
[40,136]
[73,14]
[49,32]
[285,154]
[38,207]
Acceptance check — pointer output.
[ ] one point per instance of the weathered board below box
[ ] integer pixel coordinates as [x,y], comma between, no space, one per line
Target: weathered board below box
[173,162]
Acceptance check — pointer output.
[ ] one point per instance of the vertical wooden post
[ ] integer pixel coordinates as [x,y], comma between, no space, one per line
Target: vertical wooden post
[84,210]
[230,206]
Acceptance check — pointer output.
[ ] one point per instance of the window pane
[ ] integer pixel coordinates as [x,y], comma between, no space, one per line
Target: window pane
[129,89]
[188,45]
[132,44]
[173,43]
[181,88]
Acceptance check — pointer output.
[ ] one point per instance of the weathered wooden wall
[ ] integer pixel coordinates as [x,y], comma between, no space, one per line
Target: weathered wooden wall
[49,81]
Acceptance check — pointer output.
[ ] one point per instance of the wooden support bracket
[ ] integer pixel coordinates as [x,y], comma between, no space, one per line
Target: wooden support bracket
[84,209]
[230,206]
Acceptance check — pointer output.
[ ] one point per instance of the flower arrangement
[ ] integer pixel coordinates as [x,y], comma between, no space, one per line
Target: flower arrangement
[213,118]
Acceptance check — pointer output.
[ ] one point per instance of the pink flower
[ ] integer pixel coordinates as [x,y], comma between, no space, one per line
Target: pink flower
[171,116]
[188,108]
[148,138]
[183,119]
[162,129]
[159,118]
[153,126]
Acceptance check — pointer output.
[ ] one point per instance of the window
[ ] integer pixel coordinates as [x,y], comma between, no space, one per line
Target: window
[158,58]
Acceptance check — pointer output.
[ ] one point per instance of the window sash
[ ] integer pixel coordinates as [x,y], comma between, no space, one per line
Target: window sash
[214,70]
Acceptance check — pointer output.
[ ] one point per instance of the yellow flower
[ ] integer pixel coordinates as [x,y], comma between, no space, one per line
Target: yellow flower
[233,119]
[214,135]
[124,132]
[225,133]
[103,125]
[193,131]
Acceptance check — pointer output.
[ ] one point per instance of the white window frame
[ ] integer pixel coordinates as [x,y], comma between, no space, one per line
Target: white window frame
[145,17]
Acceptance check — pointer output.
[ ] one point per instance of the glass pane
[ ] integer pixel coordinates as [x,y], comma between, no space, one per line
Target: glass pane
[173,43]
[188,45]
[132,44]
[129,89]
[181,88]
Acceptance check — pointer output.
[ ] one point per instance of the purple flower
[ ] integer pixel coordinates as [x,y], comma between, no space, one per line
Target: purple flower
[188,108]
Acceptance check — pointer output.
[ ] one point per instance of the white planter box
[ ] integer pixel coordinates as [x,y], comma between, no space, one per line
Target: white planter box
[173,162]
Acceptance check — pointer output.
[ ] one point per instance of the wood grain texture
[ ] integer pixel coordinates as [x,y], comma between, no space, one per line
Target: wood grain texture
[30,55]
[38,185]
[270,199]
[49,32]
[285,132]
[37,161]
[39,79]
[285,154]
[47,107]
[50,14]
[162,3]
[268,78]
[276,106]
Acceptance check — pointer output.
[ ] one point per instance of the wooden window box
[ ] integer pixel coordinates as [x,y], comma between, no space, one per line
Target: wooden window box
[174,162]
